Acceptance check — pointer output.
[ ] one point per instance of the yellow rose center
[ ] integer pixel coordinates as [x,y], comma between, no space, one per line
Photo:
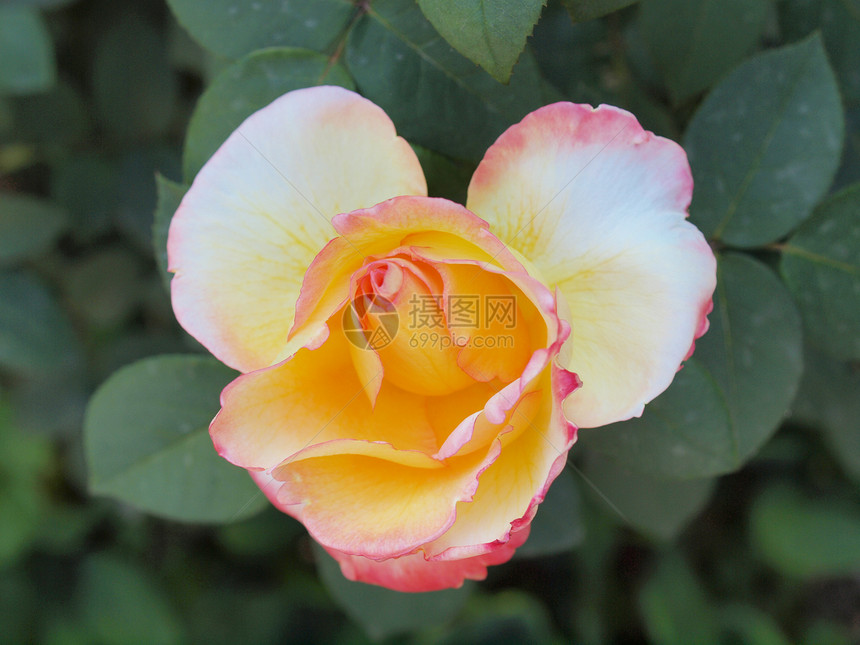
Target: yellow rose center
[440,327]
[398,304]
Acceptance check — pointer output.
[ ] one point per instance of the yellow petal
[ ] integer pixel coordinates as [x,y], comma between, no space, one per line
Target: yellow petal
[269,415]
[377,508]
[510,489]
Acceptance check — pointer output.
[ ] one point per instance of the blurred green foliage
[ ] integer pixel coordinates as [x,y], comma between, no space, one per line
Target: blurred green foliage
[729,513]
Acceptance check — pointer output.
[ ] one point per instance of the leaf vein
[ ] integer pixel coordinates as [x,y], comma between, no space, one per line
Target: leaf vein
[757,162]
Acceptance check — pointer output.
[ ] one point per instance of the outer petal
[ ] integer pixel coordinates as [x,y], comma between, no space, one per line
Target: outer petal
[374,507]
[415,573]
[412,572]
[259,212]
[516,483]
[599,206]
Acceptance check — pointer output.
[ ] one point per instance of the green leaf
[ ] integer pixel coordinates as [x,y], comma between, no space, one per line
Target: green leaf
[436,97]
[675,608]
[695,42]
[382,612]
[839,23]
[764,145]
[35,334]
[684,433]
[28,226]
[233,28]
[827,401]
[821,265]
[147,442]
[805,537]
[558,525]
[246,86]
[138,194]
[753,350]
[135,88]
[643,71]
[446,177]
[27,62]
[730,398]
[490,33]
[121,605]
[581,10]
[659,508]
[170,195]
[571,56]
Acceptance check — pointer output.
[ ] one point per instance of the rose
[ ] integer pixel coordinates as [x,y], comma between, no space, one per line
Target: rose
[418,464]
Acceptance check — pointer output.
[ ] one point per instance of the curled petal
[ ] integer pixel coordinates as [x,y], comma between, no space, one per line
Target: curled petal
[442,230]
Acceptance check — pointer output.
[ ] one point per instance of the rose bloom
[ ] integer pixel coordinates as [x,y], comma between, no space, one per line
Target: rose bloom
[413,371]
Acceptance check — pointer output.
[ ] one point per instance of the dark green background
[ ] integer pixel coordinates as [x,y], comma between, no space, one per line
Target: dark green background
[729,513]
